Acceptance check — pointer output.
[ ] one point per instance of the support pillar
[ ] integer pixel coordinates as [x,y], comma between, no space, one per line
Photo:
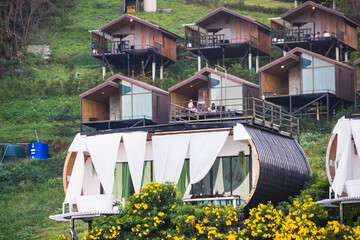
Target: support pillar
[257,64]
[128,64]
[327,107]
[295,3]
[341,213]
[346,56]
[250,62]
[153,71]
[337,51]
[103,72]
[199,63]
[334,5]
[161,72]
[161,69]
[284,53]
[223,56]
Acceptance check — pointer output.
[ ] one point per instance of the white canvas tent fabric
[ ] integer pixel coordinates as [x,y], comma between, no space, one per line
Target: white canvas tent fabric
[345,130]
[103,150]
[343,173]
[169,152]
[135,146]
[204,148]
[76,179]
[240,133]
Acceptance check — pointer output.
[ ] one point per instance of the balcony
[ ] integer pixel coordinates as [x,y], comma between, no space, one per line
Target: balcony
[301,35]
[251,110]
[121,47]
[216,40]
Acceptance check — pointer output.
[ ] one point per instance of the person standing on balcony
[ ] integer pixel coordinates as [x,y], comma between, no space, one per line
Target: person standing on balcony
[191,106]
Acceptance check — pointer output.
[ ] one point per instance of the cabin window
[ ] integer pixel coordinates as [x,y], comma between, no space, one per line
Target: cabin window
[148,173]
[184,179]
[317,75]
[136,102]
[226,93]
[228,176]
[123,187]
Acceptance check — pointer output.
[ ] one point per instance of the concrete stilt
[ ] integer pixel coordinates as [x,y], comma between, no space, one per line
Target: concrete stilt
[337,54]
[161,72]
[346,56]
[199,63]
[250,60]
[103,72]
[295,3]
[153,71]
[257,63]
[284,53]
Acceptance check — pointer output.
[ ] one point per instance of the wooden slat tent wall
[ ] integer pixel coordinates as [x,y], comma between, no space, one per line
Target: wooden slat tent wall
[283,167]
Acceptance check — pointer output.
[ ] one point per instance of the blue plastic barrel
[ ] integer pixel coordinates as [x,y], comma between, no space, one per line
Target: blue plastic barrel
[38,150]
[12,152]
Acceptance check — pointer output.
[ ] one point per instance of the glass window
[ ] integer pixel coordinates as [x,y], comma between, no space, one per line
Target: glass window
[123,187]
[307,81]
[148,173]
[125,88]
[324,79]
[184,179]
[215,80]
[126,107]
[142,105]
[137,89]
[321,63]
[306,61]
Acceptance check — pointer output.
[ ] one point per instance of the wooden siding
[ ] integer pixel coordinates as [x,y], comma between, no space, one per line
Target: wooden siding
[163,108]
[176,97]
[151,37]
[194,36]
[158,37]
[143,37]
[246,30]
[238,30]
[351,36]
[332,156]
[93,109]
[169,48]
[264,42]
[343,89]
[323,22]
[332,24]
[357,68]
[341,24]
[254,31]
[99,43]
[68,167]
[278,28]
[271,83]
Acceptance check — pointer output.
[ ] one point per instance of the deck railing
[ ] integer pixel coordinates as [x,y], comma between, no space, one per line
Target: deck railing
[252,110]
[301,35]
[118,47]
[216,40]
[110,117]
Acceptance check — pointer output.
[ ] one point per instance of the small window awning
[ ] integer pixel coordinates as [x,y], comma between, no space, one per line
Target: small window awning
[281,65]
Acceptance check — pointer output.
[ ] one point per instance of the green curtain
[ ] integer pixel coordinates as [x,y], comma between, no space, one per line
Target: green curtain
[241,184]
[146,173]
[122,181]
[184,179]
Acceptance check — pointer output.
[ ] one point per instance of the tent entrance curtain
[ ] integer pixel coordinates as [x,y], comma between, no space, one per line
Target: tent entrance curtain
[76,179]
[123,187]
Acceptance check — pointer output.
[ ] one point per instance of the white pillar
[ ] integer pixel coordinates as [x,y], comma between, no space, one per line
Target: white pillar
[199,63]
[153,71]
[337,54]
[257,63]
[250,62]
[161,72]
[295,3]
[103,72]
[334,5]
[284,53]
[346,56]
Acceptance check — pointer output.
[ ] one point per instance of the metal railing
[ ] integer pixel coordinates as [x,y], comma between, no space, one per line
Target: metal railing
[110,117]
[216,40]
[301,35]
[294,91]
[222,201]
[252,110]
[117,47]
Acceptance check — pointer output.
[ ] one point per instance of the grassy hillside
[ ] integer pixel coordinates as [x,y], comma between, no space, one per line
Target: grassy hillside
[42,95]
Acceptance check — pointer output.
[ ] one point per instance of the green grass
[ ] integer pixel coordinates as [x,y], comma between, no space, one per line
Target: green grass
[270,3]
